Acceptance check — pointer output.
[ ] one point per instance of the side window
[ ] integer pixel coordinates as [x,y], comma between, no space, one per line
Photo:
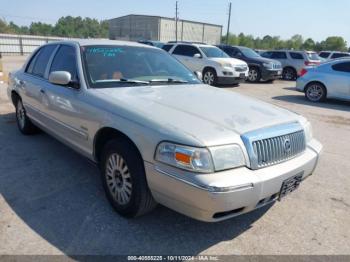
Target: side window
[342,67]
[186,50]
[167,47]
[65,60]
[339,55]
[324,54]
[31,63]
[297,56]
[279,55]
[267,54]
[41,60]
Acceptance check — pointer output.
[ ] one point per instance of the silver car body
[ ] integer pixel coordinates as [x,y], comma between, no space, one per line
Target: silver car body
[337,83]
[195,115]
[300,60]
[330,55]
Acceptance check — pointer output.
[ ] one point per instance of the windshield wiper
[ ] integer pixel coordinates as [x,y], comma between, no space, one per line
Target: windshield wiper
[124,80]
[168,80]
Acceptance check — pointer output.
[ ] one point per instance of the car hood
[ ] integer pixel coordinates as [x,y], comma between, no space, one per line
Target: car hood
[233,61]
[209,115]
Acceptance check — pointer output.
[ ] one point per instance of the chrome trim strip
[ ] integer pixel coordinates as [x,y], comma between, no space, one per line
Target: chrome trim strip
[211,189]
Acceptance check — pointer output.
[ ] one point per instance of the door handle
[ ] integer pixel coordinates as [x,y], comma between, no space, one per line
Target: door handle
[42,91]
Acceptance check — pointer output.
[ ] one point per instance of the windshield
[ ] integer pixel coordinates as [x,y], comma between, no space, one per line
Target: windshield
[213,52]
[114,66]
[250,53]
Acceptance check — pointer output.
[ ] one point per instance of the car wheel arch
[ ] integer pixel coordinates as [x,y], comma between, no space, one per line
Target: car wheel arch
[14,97]
[208,68]
[106,134]
[316,82]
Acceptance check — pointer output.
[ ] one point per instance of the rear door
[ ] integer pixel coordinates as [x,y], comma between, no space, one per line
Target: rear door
[185,53]
[339,80]
[33,81]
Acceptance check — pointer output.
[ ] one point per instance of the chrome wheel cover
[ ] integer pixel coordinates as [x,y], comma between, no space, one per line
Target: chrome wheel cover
[21,115]
[209,78]
[314,92]
[118,179]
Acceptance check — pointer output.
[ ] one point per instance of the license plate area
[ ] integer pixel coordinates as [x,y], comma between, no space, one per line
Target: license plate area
[242,75]
[290,185]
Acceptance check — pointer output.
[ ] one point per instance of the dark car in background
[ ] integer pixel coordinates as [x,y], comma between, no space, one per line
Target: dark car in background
[260,68]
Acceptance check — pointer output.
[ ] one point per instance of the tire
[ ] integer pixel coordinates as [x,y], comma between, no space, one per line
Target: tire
[316,92]
[25,126]
[289,74]
[122,169]
[254,75]
[210,77]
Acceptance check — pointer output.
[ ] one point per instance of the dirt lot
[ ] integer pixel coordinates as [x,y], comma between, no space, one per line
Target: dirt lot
[51,199]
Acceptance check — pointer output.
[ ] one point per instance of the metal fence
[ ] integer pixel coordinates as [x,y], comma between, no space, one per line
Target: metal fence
[24,44]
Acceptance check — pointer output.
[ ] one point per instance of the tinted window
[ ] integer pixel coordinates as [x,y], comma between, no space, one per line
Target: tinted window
[296,56]
[65,60]
[324,54]
[278,55]
[339,55]
[342,67]
[186,50]
[267,54]
[30,66]
[231,51]
[213,52]
[167,47]
[42,60]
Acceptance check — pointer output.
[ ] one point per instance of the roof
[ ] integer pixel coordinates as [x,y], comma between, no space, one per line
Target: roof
[89,42]
[168,18]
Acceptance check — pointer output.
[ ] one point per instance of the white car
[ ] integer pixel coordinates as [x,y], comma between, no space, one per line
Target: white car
[330,55]
[215,65]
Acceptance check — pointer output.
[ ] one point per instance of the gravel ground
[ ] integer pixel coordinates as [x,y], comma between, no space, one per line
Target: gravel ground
[51,198]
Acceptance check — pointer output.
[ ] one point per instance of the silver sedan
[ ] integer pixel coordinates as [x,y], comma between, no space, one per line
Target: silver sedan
[329,80]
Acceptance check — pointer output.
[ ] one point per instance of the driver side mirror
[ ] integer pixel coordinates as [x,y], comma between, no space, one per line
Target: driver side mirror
[197,55]
[62,78]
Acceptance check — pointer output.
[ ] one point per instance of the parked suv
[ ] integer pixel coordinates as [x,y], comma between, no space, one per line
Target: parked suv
[260,68]
[329,55]
[293,61]
[215,65]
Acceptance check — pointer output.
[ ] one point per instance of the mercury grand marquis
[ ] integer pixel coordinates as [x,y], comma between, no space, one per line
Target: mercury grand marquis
[158,134]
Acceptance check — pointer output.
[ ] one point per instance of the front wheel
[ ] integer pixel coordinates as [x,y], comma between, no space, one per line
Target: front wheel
[124,179]
[254,75]
[210,77]
[23,122]
[316,92]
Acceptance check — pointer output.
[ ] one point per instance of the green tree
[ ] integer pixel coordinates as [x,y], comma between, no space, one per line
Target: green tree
[334,43]
[309,44]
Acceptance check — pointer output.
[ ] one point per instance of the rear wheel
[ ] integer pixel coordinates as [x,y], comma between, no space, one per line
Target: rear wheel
[210,77]
[124,179]
[23,122]
[289,74]
[316,92]
[254,75]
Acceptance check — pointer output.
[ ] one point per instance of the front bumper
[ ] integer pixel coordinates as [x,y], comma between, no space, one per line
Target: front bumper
[271,74]
[223,80]
[219,196]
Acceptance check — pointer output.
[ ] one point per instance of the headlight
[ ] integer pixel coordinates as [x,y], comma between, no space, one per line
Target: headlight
[308,132]
[268,65]
[189,158]
[227,157]
[200,160]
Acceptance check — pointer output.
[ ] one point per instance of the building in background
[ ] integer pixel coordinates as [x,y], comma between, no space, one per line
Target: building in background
[157,28]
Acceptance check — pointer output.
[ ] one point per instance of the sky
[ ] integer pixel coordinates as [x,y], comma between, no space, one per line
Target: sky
[317,19]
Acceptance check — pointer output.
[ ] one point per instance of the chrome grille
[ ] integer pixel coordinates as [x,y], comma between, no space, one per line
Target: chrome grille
[275,144]
[241,68]
[277,66]
[274,150]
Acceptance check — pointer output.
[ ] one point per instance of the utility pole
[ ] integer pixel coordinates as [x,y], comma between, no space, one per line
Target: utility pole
[176,19]
[229,22]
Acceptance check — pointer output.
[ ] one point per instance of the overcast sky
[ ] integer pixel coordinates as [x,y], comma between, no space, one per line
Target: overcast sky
[311,18]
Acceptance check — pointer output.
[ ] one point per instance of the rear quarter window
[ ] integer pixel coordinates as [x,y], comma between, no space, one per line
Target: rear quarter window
[167,47]
[342,67]
[296,56]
